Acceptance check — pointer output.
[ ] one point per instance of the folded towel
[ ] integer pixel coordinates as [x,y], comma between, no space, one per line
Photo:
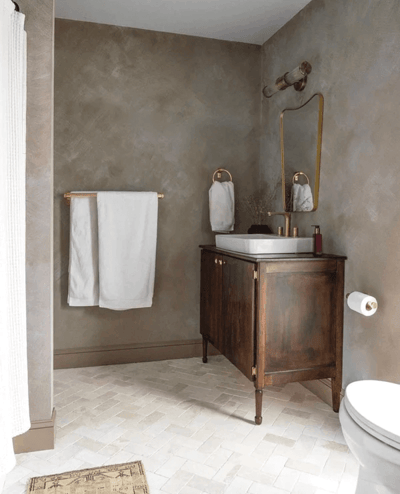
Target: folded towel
[302,198]
[127,248]
[83,288]
[222,206]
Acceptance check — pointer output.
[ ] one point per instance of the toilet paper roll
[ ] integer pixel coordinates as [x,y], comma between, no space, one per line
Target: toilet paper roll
[362,303]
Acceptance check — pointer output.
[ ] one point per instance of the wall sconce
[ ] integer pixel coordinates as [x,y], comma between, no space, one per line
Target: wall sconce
[296,78]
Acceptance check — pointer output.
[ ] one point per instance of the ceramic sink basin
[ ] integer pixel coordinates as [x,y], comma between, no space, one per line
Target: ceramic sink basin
[264,244]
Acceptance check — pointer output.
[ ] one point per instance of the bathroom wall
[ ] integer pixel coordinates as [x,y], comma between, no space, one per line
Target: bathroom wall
[353,48]
[39,24]
[143,110]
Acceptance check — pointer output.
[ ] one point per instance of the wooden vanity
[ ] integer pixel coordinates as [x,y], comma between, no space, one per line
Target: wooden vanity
[278,318]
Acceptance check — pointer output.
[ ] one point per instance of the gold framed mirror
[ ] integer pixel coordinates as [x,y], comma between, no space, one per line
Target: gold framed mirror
[301,141]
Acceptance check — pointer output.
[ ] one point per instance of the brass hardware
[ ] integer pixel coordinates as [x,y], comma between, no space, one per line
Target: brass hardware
[280,230]
[287,221]
[220,262]
[318,155]
[254,371]
[300,85]
[296,78]
[219,174]
[296,177]
[295,232]
[280,85]
[216,261]
[68,195]
[255,275]
[371,305]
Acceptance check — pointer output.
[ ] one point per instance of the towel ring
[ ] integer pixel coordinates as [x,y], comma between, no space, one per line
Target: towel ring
[296,177]
[219,174]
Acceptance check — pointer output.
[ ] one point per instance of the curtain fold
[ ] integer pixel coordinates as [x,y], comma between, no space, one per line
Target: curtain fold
[14,403]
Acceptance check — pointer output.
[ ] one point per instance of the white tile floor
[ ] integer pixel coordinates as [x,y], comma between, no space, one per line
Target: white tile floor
[192,426]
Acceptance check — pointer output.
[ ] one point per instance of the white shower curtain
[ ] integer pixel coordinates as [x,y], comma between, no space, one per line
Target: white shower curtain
[14,406]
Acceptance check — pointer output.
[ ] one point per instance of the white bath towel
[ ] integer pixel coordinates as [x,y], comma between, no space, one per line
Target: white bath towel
[302,198]
[14,402]
[127,248]
[222,206]
[83,281]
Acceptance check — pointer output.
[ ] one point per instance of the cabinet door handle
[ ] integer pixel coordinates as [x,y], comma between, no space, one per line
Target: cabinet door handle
[220,262]
[216,261]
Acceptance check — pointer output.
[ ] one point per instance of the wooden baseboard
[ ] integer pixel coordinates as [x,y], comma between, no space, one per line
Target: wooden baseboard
[39,437]
[128,354]
[321,388]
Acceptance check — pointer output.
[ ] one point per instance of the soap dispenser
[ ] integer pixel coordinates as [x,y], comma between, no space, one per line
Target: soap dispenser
[317,240]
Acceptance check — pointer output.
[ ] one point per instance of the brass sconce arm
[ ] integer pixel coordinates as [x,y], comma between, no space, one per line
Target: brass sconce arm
[287,221]
[296,78]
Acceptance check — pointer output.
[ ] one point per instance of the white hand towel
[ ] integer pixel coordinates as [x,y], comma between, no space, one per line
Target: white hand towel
[308,202]
[297,193]
[127,248]
[222,206]
[83,287]
[302,198]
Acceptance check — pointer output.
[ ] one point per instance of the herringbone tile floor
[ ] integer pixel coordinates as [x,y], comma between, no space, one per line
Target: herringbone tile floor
[192,426]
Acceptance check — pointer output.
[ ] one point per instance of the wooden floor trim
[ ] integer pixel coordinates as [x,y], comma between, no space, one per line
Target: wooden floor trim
[130,353]
[39,437]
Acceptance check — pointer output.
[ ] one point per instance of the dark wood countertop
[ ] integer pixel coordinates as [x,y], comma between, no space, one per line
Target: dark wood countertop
[271,257]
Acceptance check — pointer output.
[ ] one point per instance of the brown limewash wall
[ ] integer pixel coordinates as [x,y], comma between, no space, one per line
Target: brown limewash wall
[143,110]
[353,48]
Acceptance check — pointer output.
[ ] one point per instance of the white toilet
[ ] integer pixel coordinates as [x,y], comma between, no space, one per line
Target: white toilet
[370,419]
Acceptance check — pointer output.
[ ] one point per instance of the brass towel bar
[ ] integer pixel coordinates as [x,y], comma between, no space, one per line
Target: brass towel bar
[68,195]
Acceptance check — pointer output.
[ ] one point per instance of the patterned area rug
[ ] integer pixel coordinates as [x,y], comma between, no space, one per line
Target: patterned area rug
[125,478]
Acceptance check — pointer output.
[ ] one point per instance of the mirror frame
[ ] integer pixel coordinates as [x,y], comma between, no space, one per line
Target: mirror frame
[318,157]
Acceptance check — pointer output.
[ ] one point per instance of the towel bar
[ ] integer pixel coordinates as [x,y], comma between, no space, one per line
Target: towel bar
[219,173]
[296,177]
[68,195]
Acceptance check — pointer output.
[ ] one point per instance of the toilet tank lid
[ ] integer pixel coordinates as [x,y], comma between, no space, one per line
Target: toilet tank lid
[376,404]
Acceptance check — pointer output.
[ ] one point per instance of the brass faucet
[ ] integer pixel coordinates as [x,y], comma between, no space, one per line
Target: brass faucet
[287,221]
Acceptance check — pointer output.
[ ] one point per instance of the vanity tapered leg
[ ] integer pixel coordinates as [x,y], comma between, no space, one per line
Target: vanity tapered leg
[259,397]
[205,344]
[336,389]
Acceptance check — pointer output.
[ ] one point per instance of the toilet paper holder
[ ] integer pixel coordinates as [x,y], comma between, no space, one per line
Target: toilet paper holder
[369,306]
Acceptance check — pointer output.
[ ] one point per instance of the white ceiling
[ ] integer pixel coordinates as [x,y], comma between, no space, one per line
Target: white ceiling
[248,21]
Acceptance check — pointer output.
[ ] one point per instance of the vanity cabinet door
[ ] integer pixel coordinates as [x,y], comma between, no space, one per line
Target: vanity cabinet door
[238,309]
[300,315]
[211,322]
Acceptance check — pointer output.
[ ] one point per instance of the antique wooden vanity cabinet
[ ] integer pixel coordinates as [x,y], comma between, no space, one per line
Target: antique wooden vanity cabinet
[278,318]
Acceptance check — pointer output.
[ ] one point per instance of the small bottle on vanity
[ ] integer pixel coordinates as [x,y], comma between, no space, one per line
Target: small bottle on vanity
[317,240]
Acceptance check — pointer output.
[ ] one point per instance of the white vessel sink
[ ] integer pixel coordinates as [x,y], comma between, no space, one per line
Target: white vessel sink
[264,244]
